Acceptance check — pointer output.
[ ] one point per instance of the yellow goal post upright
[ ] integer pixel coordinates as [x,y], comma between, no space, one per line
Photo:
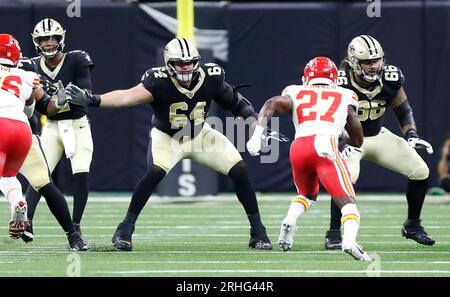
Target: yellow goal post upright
[185,17]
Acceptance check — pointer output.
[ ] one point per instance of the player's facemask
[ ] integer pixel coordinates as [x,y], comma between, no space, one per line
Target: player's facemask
[49,51]
[45,30]
[365,48]
[184,76]
[181,50]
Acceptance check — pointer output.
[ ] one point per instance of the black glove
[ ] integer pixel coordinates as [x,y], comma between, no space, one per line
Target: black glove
[81,97]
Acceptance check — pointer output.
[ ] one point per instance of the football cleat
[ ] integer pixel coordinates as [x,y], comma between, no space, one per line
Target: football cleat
[19,220]
[28,234]
[413,230]
[77,228]
[259,239]
[333,239]
[356,251]
[77,243]
[122,237]
[286,238]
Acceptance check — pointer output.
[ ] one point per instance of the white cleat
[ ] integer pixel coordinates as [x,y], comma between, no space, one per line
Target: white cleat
[19,220]
[356,251]
[286,238]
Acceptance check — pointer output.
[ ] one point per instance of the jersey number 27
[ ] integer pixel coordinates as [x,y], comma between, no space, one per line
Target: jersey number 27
[304,110]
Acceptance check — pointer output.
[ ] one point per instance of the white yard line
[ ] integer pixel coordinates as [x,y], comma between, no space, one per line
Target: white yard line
[276,271]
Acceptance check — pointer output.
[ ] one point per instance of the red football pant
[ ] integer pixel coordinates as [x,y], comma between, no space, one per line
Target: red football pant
[15,142]
[308,169]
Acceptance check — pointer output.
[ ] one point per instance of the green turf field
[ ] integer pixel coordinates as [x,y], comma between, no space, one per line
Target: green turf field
[209,238]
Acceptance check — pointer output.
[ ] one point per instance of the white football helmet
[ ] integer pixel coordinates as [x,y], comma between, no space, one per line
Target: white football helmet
[181,49]
[48,28]
[364,47]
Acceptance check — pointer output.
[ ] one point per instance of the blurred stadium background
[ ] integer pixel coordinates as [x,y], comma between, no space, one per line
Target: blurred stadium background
[262,44]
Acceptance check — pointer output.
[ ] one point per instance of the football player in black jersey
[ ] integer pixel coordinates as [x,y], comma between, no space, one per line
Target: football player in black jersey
[69,130]
[378,86]
[180,94]
[35,169]
[444,166]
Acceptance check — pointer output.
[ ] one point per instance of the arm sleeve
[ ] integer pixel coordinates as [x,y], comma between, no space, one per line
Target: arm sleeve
[84,78]
[42,103]
[229,98]
[404,114]
[83,75]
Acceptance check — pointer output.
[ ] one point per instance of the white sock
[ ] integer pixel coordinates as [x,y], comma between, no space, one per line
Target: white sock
[298,206]
[12,189]
[350,221]
[14,196]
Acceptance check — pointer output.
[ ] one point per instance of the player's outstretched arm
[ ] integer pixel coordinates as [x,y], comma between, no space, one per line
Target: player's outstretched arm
[277,104]
[115,99]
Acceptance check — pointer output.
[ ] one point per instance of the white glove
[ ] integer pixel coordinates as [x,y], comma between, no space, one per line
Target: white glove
[349,150]
[254,144]
[418,143]
[60,96]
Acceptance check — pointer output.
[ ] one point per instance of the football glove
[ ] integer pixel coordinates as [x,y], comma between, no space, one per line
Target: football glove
[349,150]
[255,142]
[418,143]
[78,96]
[415,142]
[273,135]
[60,96]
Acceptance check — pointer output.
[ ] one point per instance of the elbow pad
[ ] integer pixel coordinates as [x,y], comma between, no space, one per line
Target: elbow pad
[29,109]
[404,114]
[243,107]
[42,104]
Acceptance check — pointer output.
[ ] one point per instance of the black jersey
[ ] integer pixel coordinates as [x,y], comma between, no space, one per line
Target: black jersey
[372,103]
[27,64]
[177,109]
[74,67]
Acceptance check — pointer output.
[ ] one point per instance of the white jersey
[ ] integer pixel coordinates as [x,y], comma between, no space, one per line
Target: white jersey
[16,86]
[320,109]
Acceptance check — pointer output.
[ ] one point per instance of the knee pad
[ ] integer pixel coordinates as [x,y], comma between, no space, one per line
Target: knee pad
[39,181]
[420,173]
[9,183]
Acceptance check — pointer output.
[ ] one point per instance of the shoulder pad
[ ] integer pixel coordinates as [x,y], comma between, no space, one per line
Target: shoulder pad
[342,77]
[392,75]
[212,69]
[82,56]
[152,76]
[27,64]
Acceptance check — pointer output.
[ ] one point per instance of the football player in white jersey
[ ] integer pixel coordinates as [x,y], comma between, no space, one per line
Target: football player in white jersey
[321,112]
[18,88]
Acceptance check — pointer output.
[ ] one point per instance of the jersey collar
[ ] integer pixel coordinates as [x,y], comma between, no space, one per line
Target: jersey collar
[52,74]
[369,94]
[190,93]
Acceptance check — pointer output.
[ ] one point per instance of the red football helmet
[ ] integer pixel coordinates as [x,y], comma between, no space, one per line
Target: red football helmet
[9,50]
[320,70]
